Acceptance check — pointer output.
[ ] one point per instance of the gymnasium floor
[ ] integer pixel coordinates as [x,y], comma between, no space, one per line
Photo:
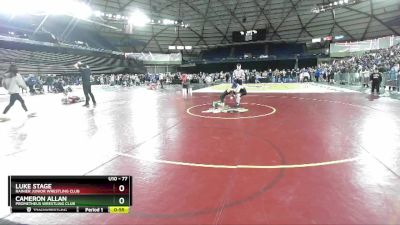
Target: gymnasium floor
[293,158]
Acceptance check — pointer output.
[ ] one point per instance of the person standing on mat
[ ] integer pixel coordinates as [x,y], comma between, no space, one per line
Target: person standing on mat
[87,87]
[376,79]
[186,90]
[238,75]
[13,81]
[161,79]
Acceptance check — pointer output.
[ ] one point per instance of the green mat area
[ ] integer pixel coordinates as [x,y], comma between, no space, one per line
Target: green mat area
[262,87]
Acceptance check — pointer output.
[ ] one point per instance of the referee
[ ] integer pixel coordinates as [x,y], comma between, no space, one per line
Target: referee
[238,75]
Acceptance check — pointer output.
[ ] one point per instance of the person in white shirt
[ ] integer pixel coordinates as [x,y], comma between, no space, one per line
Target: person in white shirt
[13,81]
[208,80]
[238,75]
[264,74]
[258,77]
[365,77]
[112,80]
[304,76]
[236,90]
[161,79]
[137,80]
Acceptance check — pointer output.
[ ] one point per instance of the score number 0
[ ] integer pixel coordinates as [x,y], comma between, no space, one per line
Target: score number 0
[121,200]
[121,187]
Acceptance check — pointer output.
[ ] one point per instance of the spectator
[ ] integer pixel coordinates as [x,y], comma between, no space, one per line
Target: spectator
[87,90]
[12,82]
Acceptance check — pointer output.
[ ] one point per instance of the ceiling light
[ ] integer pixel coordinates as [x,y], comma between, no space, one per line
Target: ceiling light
[339,37]
[167,22]
[316,40]
[81,11]
[139,19]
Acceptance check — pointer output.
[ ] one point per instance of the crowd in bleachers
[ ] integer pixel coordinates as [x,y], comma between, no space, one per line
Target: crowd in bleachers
[202,78]
[381,59]
[57,84]
[384,60]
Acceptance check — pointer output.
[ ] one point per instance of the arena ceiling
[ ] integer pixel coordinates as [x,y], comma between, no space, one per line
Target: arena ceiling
[212,21]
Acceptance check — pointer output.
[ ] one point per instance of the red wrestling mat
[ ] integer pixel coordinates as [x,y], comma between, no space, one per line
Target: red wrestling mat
[315,158]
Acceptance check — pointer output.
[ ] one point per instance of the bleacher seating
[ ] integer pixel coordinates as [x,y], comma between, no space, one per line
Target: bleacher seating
[44,62]
[252,50]
[216,53]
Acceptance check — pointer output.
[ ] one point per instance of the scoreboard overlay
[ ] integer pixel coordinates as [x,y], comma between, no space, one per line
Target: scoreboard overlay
[70,194]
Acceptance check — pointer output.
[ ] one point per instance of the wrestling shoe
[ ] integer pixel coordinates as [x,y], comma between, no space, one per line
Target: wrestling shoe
[30,114]
[4,118]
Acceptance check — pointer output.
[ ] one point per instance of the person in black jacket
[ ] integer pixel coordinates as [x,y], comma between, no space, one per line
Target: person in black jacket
[87,89]
[331,75]
[376,79]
